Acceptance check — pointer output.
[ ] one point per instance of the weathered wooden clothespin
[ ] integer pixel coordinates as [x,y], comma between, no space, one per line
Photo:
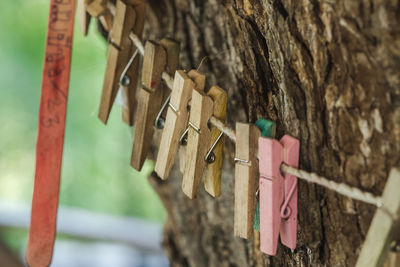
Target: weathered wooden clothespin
[247,175]
[246,178]
[149,101]
[198,142]
[384,226]
[214,156]
[199,81]
[157,58]
[278,195]
[121,57]
[176,120]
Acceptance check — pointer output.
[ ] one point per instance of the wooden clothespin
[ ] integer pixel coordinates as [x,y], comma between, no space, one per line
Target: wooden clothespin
[278,195]
[119,52]
[384,226]
[172,48]
[157,58]
[149,101]
[199,81]
[247,175]
[198,142]
[214,158]
[83,16]
[121,56]
[246,178]
[176,119]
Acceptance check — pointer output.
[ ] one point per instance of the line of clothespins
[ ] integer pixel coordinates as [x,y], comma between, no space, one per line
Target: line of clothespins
[277,195]
[341,188]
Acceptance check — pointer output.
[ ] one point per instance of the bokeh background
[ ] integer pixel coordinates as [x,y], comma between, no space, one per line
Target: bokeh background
[96,175]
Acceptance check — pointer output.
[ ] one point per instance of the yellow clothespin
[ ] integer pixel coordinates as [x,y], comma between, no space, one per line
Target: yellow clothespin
[177,119]
[214,158]
[384,226]
[157,58]
[246,178]
[121,56]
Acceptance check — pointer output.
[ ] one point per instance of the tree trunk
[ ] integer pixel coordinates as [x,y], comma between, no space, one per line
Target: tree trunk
[328,73]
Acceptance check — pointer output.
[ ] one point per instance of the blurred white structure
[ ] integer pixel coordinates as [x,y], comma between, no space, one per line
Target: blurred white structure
[111,241]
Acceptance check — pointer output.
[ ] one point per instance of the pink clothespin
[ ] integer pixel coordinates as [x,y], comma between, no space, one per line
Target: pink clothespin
[278,195]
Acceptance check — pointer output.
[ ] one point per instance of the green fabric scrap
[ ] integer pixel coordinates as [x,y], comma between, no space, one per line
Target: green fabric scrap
[267,129]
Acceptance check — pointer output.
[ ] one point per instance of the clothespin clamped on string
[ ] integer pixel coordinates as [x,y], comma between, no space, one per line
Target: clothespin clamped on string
[122,59]
[384,226]
[200,143]
[214,156]
[247,174]
[177,119]
[246,178]
[278,195]
[157,58]
[199,80]
[267,129]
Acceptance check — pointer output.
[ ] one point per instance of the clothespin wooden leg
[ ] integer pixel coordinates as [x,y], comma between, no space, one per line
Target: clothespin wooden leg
[212,178]
[246,178]
[118,56]
[288,230]
[199,137]
[149,101]
[384,224]
[271,194]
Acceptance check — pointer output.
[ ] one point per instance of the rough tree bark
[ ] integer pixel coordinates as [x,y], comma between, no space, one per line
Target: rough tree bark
[328,73]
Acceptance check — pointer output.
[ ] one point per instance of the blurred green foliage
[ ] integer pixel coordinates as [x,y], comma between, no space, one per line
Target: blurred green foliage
[96,174]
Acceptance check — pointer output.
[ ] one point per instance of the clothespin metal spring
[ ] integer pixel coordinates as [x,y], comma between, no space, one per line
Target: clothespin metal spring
[183,138]
[159,122]
[210,156]
[125,80]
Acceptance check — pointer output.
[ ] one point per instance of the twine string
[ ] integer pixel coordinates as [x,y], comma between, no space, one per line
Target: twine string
[343,189]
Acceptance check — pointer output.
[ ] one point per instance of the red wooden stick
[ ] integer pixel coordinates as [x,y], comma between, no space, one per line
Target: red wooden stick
[51,127]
